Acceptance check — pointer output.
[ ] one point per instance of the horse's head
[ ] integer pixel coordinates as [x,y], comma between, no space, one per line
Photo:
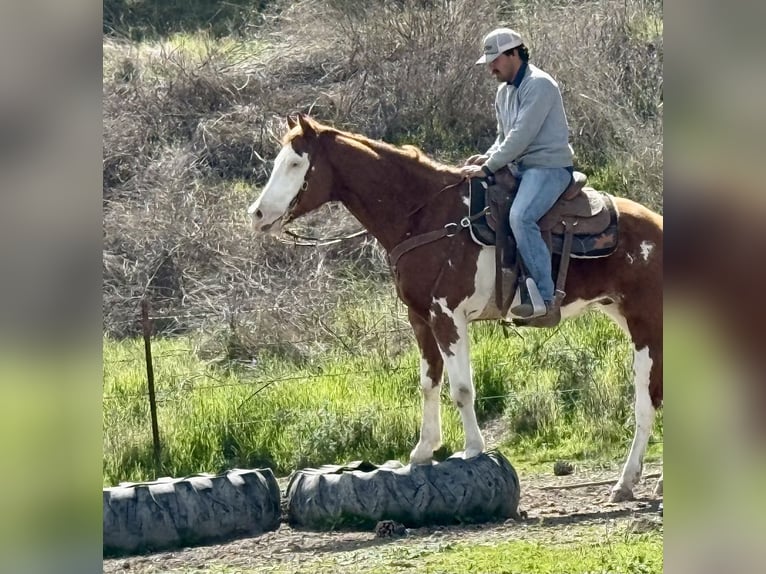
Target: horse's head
[299,183]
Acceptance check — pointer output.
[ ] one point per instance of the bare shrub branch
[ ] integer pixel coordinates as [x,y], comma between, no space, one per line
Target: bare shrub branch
[191,129]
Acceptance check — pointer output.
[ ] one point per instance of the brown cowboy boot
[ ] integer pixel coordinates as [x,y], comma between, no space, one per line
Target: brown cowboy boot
[535,306]
[550,318]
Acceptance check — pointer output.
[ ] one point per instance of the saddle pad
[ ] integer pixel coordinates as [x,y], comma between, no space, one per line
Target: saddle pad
[592,245]
[584,245]
[481,232]
[589,207]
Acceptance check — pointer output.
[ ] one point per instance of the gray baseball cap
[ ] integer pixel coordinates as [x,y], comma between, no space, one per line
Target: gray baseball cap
[497,42]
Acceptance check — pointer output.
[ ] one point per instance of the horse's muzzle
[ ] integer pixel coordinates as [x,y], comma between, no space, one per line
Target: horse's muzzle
[262,225]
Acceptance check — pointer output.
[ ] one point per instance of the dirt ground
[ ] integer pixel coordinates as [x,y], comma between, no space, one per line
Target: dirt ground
[549,515]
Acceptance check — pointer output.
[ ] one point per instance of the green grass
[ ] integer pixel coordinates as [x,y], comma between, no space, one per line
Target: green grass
[517,556]
[570,391]
[200,45]
[587,549]
[163,59]
[646,27]
[144,19]
[563,394]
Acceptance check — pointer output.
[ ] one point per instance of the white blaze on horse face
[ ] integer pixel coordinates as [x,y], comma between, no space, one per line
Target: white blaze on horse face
[282,188]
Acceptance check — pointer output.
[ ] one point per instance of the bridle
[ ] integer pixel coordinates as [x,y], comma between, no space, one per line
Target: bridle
[302,240]
[449,230]
[304,186]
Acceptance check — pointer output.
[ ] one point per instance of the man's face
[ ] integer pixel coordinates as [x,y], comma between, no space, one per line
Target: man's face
[504,67]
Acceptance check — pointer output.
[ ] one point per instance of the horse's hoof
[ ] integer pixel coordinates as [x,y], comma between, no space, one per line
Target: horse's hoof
[466,454]
[417,456]
[621,494]
[460,454]
[471,452]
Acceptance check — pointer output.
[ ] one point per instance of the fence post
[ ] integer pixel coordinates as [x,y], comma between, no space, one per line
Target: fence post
[147,328]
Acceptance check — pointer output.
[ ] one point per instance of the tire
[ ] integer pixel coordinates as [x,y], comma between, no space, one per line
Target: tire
[202,509]
[480,489]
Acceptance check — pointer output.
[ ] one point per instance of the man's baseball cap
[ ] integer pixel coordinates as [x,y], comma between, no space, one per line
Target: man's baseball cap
[497,42]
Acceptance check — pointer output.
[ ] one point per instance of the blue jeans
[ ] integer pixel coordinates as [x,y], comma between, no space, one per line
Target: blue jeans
[539,189]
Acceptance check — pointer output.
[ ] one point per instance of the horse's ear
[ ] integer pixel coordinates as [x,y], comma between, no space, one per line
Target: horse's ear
[307,125]
[291,123]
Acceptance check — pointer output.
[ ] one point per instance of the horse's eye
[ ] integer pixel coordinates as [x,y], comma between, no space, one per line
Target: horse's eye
[294,164]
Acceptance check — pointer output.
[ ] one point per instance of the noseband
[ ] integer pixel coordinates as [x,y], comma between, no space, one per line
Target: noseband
[304,187]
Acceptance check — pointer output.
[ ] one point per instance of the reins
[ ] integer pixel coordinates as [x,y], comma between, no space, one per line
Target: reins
[449,230]
[304,241]
[434,196]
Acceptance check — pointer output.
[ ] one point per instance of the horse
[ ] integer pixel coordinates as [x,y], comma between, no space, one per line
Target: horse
[447,281]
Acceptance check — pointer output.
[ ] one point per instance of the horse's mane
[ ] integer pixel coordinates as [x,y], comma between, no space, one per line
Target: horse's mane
[406,151]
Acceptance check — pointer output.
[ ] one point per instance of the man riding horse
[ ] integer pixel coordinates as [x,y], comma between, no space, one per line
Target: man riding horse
[533,142]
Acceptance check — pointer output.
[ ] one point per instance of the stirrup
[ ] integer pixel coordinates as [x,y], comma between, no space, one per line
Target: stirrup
[536,306]
[551,318]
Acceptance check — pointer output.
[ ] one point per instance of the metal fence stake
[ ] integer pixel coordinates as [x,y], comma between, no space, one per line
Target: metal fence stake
[147,328]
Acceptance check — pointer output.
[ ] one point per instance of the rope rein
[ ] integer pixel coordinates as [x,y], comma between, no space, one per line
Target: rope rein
[304,241]
[430,199]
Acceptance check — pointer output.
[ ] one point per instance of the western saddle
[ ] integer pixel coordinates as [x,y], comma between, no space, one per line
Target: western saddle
[583,223]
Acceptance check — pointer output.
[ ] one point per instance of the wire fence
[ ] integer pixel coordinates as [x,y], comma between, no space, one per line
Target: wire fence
[175,386]
[405,405]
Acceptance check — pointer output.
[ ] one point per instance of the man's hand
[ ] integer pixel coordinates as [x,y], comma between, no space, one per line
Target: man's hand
[472,171]
[477,159]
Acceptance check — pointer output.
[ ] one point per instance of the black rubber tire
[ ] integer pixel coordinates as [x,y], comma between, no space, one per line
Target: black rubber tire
[480,489]
[202,509]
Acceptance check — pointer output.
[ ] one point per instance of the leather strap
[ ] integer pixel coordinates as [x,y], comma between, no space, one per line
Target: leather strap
[448,230]
[499,240]
[564,261]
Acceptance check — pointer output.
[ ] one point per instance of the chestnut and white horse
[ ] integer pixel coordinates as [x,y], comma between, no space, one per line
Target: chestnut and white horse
[398,193]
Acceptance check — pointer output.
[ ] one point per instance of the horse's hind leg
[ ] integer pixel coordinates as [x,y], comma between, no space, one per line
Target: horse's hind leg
[431,368]
[631,472]
[647,367]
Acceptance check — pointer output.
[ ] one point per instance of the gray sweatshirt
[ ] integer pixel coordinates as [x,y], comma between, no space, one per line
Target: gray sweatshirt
[532,128]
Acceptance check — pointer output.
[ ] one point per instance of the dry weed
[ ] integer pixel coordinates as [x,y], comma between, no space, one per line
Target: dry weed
[190,133]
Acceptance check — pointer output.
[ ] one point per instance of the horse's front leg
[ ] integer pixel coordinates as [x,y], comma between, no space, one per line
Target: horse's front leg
[451,332]
[431,369]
